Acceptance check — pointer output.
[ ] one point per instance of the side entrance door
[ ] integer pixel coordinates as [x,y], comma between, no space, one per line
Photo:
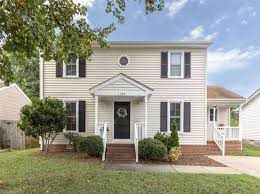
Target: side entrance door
[122,120]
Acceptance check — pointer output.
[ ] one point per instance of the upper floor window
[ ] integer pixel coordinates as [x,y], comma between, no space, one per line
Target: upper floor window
[176,64]
[71,66]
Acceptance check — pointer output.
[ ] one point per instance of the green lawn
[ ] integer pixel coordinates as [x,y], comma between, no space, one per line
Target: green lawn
[23,172]
[248,150]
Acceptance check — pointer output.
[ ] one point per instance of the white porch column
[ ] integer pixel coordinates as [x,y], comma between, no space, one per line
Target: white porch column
[96,116]
[146,116]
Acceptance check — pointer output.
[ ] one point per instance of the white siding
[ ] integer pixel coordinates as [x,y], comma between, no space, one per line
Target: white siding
[11,101]
[250,120]
[223,118]
[145,68]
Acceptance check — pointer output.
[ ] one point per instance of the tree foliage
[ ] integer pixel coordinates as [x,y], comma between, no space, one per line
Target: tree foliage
[43,119]
[55,28]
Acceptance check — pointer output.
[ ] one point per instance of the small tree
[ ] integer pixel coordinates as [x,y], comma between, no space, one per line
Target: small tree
[173,140]
[43,119]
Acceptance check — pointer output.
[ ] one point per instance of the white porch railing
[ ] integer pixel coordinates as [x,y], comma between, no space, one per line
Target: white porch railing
[219,138]
[102,128]
[231,133]
[138,135]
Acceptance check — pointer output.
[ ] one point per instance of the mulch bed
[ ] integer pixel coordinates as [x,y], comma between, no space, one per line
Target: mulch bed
[187,160]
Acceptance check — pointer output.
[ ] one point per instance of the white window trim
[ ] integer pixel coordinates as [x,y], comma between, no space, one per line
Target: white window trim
[182,63]
[118,60]
[213,115]
[77,70]
[77,115]
[169,115]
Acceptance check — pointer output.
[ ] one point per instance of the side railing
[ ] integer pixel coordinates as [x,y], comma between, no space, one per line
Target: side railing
[138,135]
[219,138]
[103,134]
[231,133]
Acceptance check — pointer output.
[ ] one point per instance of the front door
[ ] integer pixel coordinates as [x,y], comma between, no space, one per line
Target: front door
[122,120]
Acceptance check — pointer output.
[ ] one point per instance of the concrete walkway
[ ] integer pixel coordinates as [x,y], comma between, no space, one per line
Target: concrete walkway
[171,168]
[245,164]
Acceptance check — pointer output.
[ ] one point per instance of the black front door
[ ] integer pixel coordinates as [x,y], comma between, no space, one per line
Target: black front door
[122,120]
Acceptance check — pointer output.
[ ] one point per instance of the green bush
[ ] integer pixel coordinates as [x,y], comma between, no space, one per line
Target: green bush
[174,154]
[169,141]
[73,139]
[91,145]
[151,149]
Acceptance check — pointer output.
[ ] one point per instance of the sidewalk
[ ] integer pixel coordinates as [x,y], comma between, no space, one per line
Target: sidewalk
[171,168]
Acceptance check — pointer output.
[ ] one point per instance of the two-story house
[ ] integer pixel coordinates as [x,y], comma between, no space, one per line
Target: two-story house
[136,89]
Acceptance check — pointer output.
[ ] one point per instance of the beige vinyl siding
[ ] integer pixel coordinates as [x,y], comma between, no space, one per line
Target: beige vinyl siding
[145,67]
[250,120]
[223,118]
[11,101]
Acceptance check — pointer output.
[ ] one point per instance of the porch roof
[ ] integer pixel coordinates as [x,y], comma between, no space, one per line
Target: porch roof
[218,95]
[121,85]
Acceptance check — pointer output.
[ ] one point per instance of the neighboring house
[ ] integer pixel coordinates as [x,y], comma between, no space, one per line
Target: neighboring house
[144,87]
[250,118]
[12,99]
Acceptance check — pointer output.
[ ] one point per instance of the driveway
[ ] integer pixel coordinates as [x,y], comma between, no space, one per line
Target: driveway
[245,164]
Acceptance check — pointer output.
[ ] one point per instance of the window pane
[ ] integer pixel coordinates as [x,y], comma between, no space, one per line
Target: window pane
[71,108]
[175,70]
[177,122]
[175,59]
[175,109]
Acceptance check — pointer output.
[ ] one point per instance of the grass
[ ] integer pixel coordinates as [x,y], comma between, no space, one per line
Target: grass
[25,172]
[248,150]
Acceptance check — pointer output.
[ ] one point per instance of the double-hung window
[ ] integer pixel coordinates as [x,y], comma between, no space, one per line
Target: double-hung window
[176,64]
[72,109]
[71,67]
[211,115]
[176,115]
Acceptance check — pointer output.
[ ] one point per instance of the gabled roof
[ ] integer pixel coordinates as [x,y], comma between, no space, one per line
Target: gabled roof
[128,80]
[219,92]
[18,88]
[251,97]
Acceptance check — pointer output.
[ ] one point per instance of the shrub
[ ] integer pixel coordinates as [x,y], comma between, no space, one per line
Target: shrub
[43,119]
[73,139]
[91,145]
[151,149]
[173,140]
[174,154]
[169,141]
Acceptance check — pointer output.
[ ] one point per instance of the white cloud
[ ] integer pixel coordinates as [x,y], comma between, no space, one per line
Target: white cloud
[221,61]
[176,6]
[212,36]
[199,33]
[244,22]
[246,11]
[218,21]
[88,3]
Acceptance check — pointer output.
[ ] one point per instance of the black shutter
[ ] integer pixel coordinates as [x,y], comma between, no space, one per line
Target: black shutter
[82,67]
[187,65]
[164,65]
[82,115]
[186,121]
[59,68]
[163,116]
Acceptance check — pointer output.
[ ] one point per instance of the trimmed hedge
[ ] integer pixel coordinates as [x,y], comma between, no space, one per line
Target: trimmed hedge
[151,149]
[91,145]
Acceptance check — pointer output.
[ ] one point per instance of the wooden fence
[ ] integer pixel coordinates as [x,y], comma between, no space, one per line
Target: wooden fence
[9,132]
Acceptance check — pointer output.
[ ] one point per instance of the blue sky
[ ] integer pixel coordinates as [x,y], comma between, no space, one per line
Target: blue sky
[232,25]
